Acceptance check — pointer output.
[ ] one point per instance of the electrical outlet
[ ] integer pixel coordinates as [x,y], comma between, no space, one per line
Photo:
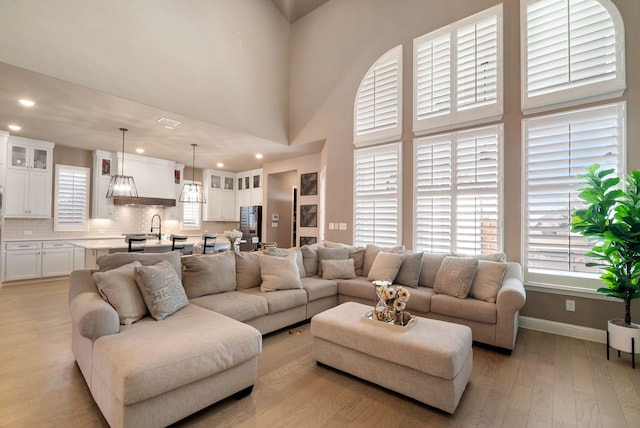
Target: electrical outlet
[570,305]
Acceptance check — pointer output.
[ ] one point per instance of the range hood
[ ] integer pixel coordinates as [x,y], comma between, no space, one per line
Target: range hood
[141,201]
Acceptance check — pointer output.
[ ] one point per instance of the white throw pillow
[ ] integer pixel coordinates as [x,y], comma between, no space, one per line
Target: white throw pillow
[385,266]
[118,287]
[279,273]
[455,276]
[488,280]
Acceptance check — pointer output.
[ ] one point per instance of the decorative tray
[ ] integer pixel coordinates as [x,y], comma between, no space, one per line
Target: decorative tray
[368,317]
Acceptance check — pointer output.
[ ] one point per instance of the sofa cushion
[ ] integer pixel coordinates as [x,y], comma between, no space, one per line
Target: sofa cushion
[331,254]
[359,287]
[234,304]
[336,269]
[280,300]
[430,264]
[420,299]
[370,253]
[409,273]
[191,345]
[112,261]
[161,289]
[464,309]
[248,269]
[488,280]
[279,273]
[118,287]
[209,274]
[310,258]
[284,252]
[385,267]
[318,288]
[455,276]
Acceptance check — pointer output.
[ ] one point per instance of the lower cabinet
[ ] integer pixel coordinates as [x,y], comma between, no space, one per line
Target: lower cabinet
[37,259]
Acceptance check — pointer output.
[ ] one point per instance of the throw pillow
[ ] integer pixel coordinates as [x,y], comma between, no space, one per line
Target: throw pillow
[310,258]
[248,269]
[370,253]
[385,267]
[118,287]
[455,276]
[279,273]
[331,254]
[409,273]
[338,269]
[112,261]
[357,254]
[284,252]
[161,289]
[488,280]
[430,266]
[209,274]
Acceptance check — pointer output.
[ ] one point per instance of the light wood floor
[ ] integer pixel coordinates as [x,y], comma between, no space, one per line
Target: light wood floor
[549,381]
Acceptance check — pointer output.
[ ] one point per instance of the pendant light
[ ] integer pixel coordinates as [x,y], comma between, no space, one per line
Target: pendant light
[122,185]
[193,193]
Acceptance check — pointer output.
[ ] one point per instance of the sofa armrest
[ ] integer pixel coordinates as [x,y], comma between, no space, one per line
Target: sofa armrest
[511,298]
[92,316]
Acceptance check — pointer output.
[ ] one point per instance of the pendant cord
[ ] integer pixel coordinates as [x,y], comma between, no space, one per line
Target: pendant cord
[193,165]
[122,168]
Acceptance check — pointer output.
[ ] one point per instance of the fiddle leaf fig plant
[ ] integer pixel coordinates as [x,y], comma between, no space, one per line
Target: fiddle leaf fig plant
[611,216]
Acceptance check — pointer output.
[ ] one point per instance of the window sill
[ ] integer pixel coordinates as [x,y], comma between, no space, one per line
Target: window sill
[588,293]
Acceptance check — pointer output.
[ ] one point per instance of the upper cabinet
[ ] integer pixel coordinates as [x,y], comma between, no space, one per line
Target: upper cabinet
[29,178]
[220,188]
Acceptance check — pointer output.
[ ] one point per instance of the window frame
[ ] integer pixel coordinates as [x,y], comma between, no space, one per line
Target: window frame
[573,95]
[183,223]
[82,226]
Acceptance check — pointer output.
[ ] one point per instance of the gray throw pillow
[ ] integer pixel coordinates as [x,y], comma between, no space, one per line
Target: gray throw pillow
[209,274]
[118,287]
[430,266]
[409,273]
[338,269]
[284,252]
[488,280]
[385,267]
[310,258]
[455,276]
[357,254]
[248,269]
[279,273]
[331,254]
[161,289]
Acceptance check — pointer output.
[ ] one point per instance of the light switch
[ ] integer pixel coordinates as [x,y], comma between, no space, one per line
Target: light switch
[343,226]
[332,226]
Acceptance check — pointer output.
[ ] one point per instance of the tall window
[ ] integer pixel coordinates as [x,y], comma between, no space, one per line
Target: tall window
[559,147]
[377,200]
[573,53]
[458,72]
[377,128]
[458,185]
[71,211]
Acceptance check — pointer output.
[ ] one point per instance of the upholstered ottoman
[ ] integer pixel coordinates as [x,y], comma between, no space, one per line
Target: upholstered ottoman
[431,361]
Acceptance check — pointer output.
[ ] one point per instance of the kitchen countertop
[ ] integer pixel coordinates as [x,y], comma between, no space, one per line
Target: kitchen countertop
[109,244]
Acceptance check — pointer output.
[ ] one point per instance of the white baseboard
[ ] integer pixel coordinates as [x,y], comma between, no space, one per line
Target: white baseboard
[562,329]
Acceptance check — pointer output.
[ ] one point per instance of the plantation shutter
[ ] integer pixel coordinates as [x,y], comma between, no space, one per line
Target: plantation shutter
[458,192]
[72,198]
[377,108]
[478,189]
[191,214]
[559,147]
[433,166]
[477,64]
[377,188]
[433,76]
[571,44]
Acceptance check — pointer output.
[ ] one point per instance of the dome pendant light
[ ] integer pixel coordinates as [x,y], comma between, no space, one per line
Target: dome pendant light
[193,193]
[122,185]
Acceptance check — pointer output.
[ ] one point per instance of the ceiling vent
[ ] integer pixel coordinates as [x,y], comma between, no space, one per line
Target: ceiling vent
[169,123]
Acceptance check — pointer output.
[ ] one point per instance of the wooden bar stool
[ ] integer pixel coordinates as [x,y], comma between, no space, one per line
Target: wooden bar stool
[209,242]
[178,242]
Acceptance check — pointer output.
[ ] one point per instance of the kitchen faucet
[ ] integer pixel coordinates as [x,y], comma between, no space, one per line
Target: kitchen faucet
[159,225]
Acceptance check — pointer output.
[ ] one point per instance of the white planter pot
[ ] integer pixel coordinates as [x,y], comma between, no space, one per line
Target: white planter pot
[620,336]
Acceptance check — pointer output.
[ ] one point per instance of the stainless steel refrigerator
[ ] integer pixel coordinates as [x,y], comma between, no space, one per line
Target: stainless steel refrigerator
[251,227]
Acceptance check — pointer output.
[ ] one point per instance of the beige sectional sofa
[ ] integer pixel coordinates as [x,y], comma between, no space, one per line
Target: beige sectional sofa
[154,370]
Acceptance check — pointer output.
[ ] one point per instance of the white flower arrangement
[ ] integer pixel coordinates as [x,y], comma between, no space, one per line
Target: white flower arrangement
[395,300]
[232,235]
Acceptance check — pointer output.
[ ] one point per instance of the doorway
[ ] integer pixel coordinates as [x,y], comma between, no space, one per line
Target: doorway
[280,208]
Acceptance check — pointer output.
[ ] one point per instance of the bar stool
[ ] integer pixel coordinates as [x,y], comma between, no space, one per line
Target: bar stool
[136,244]
[178,242]
[209,242]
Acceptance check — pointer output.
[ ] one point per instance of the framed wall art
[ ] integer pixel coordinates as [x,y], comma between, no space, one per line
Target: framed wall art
[308,215]
[309,184]
[308,240]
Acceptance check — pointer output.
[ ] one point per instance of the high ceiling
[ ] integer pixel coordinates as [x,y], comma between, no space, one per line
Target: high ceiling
[76,116]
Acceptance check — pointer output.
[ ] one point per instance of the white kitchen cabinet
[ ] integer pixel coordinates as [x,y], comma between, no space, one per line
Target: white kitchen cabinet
[29,178]
[57,258]
[78,258]
[91,257]
[22,260]
[221,196]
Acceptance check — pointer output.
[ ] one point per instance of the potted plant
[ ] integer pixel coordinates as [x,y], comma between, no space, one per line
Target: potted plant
[611,215]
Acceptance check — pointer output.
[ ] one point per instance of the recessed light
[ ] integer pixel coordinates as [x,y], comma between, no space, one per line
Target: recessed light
[27,103]
[219,164]
[139,150]
[169,123]
[259,156]
[15,127]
